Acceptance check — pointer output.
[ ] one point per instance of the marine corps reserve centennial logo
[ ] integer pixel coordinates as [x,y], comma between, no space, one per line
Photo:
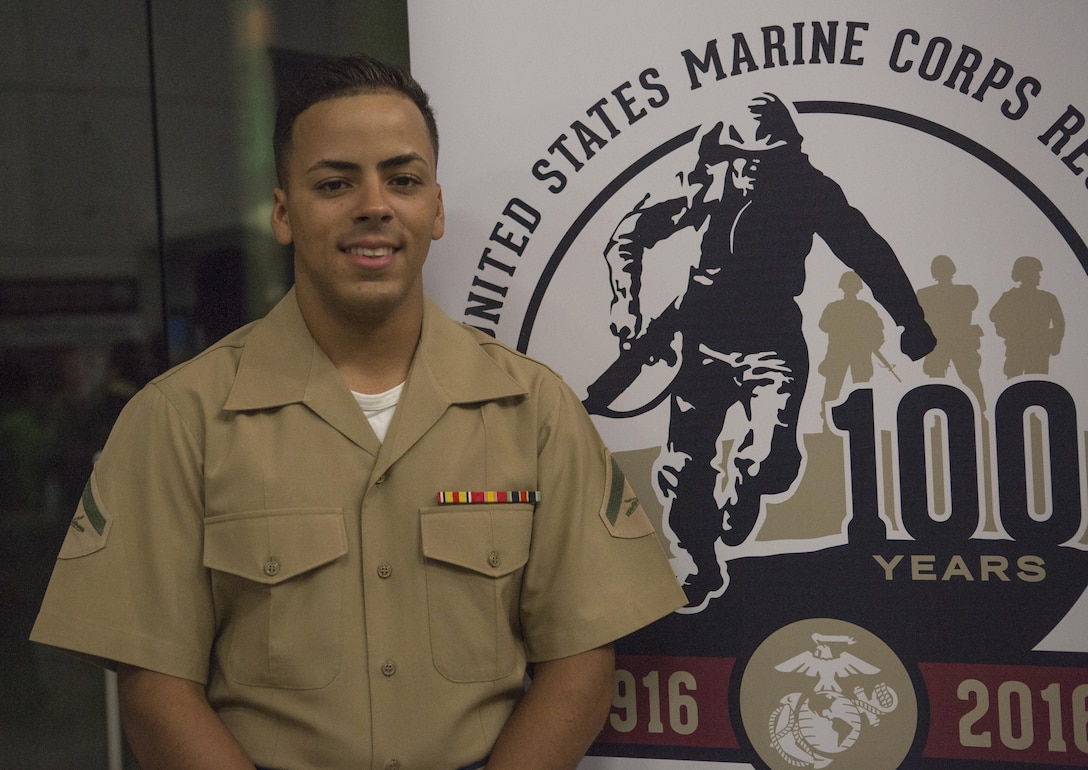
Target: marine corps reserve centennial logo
[837,349]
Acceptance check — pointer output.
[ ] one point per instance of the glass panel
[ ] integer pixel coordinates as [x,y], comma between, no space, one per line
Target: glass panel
[94,283]
[217,70]
[78,279]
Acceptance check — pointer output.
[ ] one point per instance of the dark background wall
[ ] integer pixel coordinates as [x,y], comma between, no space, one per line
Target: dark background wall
[135,191]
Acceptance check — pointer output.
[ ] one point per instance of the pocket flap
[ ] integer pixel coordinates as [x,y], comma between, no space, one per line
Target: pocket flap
[491,539]
[272,546]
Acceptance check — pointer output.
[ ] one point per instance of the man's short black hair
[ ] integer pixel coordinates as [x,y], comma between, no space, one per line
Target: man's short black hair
[338,77]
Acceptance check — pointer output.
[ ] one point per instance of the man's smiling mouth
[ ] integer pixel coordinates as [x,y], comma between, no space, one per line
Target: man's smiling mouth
[359,251]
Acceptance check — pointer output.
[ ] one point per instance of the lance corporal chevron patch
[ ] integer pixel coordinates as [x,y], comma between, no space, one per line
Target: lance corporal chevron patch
[621,511]
[89,528]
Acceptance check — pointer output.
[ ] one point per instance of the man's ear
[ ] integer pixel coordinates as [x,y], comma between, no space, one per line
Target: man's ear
[281,222]
[440,218]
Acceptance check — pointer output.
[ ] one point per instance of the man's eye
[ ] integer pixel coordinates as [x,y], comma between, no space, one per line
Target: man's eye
[332,185]
[403,181]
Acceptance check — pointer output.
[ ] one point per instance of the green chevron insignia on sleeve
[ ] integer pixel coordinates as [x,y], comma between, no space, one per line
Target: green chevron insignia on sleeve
[615,494]
[621,511]
[89,529]
[94,516]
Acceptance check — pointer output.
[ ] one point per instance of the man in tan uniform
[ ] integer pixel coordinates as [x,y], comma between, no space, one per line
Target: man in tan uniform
[338,537]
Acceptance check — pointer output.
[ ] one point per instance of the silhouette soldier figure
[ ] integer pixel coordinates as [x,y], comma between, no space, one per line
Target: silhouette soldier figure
[756,203]
[854,336]
[949,307]
[1030,321]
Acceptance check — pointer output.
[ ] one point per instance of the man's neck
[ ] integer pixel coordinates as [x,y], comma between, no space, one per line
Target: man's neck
[377,367]
[372,354]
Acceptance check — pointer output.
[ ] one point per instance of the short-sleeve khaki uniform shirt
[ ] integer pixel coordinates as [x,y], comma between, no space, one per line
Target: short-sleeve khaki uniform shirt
[245,528]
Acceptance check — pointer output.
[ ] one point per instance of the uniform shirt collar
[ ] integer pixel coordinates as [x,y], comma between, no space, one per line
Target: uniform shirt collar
[278,361]
[282,364]
[452,357]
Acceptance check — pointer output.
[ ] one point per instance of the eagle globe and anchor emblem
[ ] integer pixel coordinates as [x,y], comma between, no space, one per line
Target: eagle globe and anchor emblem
[860,711]
[807,727]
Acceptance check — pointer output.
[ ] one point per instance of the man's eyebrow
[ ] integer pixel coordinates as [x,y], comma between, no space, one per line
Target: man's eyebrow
[401,160]
[333,165]
[349,166]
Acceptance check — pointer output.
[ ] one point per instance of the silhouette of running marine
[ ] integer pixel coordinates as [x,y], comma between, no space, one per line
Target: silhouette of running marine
[948,307]
[735,333]
[1030,321]
[854,336]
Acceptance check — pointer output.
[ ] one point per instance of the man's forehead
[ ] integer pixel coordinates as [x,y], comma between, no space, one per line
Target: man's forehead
[376,106]
[388,113]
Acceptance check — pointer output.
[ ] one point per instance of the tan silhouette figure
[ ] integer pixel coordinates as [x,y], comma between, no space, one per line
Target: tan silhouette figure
[854,335]
[948,307]
[1030,321]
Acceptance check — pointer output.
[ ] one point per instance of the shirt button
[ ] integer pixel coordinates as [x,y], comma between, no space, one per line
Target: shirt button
[272,567]
[380,480]
[392,765]
[494,559]
[389,668]
[385,569]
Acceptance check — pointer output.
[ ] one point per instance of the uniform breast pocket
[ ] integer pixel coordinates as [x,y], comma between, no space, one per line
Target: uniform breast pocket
[277,577]
[474,559]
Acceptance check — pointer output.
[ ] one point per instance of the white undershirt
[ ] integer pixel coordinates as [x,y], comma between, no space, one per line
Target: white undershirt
[379,408]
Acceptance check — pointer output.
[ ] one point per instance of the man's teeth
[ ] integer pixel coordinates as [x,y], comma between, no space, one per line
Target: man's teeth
[361,252]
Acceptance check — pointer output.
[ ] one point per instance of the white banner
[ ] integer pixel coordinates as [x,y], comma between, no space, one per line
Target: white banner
[819,271]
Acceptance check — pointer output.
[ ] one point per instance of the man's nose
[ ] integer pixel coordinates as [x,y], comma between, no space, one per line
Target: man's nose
[372,202]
